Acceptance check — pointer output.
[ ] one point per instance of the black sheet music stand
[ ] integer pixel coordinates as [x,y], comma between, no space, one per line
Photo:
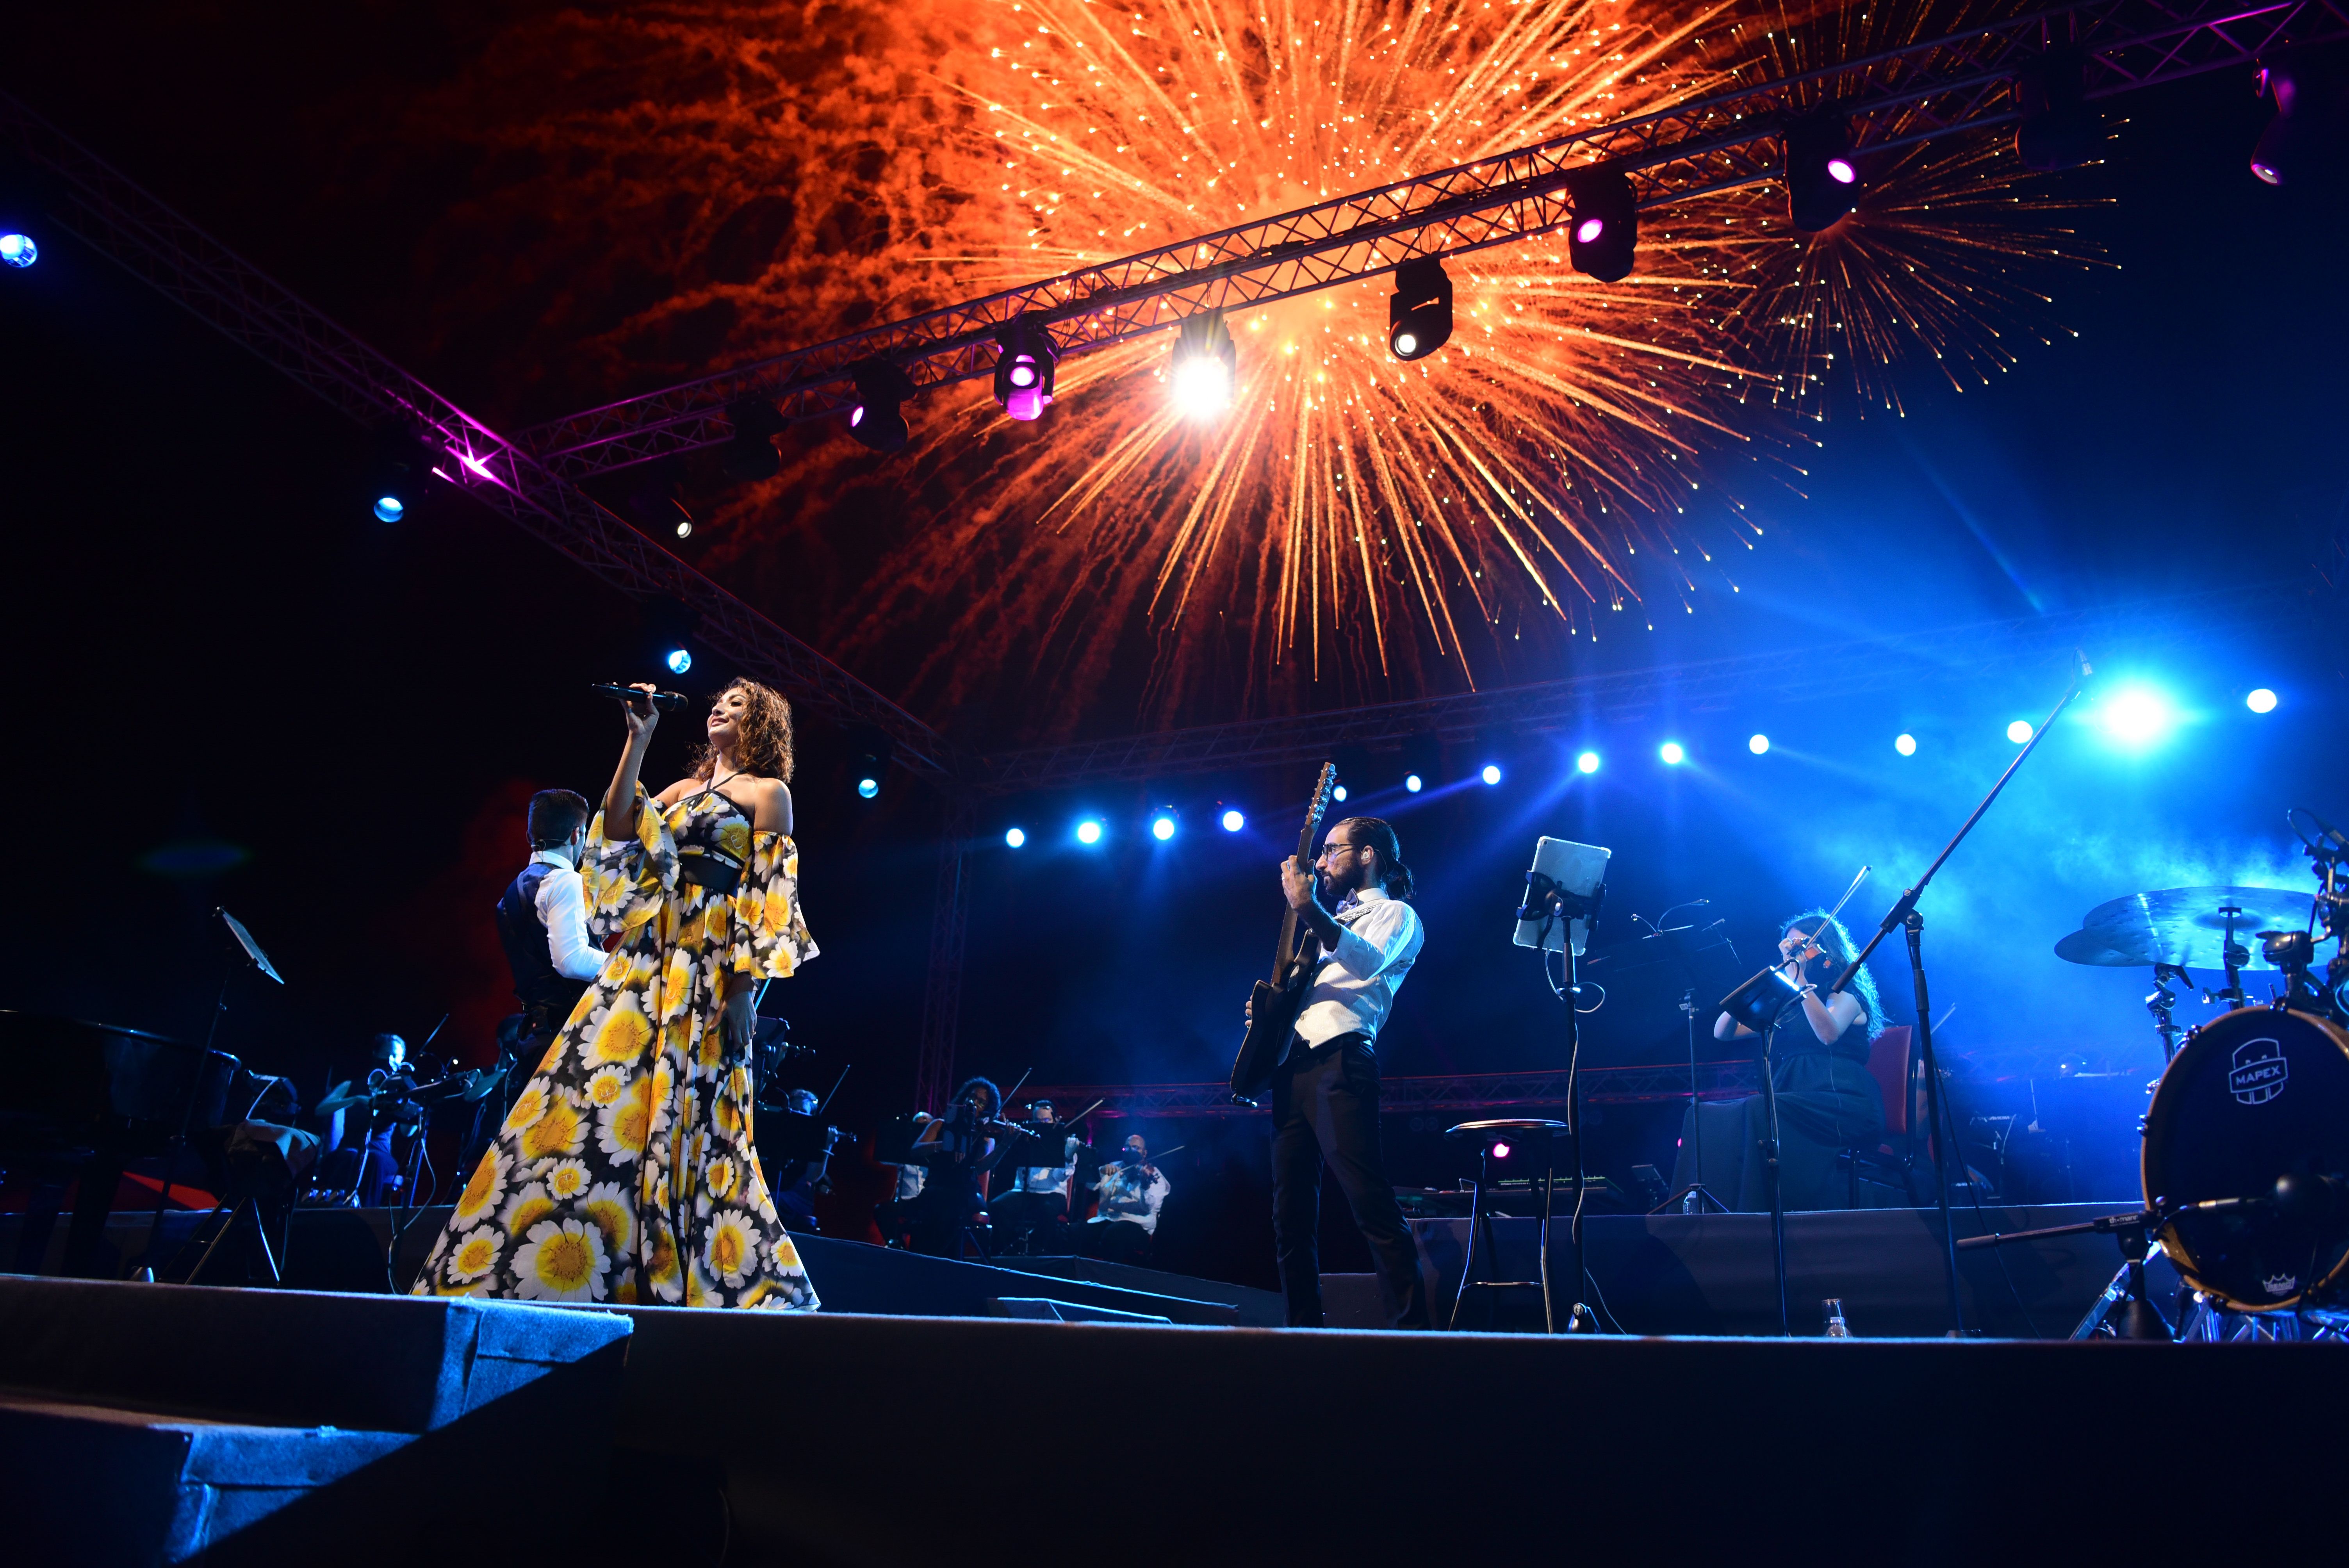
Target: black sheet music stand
[253,957]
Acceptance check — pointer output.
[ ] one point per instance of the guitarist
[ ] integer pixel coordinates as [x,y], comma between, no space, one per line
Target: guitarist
[1325,1095]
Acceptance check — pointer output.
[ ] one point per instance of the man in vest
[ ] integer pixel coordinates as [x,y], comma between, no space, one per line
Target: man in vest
[542,921]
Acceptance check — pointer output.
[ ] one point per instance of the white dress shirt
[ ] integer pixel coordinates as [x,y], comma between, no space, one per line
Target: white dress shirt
[1048,1178]
[1354,989]
[563,910]
[1126,1194]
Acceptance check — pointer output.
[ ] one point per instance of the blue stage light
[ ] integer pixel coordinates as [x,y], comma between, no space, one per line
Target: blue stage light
[679,660]
[1905,744]
[1758,745]
[1234,821]
[1016,837]
[1161,829]
[1413,783]
[1338,793]
[1491,775]
[2135,716]
[18,250]
[1587,763]
[2260,701]
[388,509]
[2019,731]
[1088,832]
[1673,753]
[868,787]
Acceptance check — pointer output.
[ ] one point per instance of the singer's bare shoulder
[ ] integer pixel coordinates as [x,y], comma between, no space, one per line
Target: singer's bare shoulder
[769,801]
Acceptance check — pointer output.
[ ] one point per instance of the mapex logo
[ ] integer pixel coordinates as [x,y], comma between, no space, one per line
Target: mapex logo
[2259,1071]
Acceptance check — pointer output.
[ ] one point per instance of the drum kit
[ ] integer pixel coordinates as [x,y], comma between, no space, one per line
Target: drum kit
[2245,1151]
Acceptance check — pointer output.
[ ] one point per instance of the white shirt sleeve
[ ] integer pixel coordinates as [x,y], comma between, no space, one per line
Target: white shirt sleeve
[1375,938]
[563,905]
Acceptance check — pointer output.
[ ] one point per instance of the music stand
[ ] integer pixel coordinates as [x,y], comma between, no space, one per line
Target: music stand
[254,958]
[1682,959]
[1565,890]
[1758,1004]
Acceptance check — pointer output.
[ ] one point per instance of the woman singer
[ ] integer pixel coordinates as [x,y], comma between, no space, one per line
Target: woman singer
[1827,1099]
[625,1171]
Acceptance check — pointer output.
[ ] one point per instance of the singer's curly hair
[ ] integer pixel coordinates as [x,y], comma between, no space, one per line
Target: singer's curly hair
[1835,943]
[766,734]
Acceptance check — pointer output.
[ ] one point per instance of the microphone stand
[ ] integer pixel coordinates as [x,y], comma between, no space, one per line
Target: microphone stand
[1903,915]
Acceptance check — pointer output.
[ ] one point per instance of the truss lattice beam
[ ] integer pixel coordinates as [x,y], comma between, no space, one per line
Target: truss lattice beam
[119,218]
[1717,142]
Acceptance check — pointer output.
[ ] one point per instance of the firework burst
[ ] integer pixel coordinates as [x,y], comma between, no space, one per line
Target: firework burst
[1936,262]
[1378,526]
[706,181]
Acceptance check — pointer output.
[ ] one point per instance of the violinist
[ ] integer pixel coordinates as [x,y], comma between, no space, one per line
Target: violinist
[1827,1099]
[1132,1192]
[957,1149]
[1034,1214]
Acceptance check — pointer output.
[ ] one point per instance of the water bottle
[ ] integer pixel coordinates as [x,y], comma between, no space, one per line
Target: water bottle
[1837,1327]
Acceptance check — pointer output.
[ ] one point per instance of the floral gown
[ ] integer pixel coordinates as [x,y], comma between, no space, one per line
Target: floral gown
[635,1128]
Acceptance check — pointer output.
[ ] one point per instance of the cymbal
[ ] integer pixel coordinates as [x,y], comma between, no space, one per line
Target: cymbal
[2187,926]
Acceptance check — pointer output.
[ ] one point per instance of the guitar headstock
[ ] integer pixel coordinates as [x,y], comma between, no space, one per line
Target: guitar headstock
[1321,792]
[1317,809]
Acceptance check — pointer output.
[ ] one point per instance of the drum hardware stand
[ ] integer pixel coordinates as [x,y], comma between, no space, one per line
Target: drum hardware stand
[2123,1311]
[1903,914]
[2236,956]
[2162,1000]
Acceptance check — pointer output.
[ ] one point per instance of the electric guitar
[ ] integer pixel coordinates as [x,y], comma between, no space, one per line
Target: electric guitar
[1273,1009]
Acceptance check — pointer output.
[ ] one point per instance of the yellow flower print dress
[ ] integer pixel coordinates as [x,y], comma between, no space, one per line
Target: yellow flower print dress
[634,1134]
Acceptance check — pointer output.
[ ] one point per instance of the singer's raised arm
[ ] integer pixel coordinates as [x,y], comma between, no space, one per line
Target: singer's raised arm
[620,799]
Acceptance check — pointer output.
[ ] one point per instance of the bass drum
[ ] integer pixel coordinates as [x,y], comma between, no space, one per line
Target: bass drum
[2261,1093]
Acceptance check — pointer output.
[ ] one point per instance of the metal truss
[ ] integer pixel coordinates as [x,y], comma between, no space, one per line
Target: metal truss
[1972,654]
[1959,82]
[1453,1092]
[934,1061]
[114,216]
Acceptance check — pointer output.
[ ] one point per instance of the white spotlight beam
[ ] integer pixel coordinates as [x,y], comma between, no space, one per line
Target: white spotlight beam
[1963,81]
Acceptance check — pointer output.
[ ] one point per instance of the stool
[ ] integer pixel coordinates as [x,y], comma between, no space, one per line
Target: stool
[1494,1140]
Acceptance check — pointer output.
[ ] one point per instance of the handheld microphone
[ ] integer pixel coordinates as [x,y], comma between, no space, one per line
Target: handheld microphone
[665,701]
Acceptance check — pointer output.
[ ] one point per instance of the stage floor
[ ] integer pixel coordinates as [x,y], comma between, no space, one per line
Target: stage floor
[745,1438]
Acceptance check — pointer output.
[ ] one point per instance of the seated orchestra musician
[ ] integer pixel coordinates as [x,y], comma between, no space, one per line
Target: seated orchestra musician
[1827,1099]
[358,1122]
[1132,1192]
[1033,1213]
[956,1151]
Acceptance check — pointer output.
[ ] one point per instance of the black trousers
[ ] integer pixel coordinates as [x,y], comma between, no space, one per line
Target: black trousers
[1325,1108]
[1042,1219]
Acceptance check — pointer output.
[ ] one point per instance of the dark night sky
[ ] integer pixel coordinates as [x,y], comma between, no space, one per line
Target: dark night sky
[213,642]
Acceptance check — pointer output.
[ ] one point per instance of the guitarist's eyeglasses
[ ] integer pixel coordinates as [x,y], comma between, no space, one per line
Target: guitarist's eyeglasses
[1328,850]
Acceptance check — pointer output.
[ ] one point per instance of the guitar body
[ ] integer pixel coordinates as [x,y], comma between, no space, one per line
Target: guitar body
[1272,1021]
[1274,1006]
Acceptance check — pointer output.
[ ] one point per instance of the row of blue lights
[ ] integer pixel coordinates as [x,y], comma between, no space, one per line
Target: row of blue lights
[2135,716]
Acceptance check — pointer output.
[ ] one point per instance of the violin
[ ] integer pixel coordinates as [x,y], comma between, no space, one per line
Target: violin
[1806,945]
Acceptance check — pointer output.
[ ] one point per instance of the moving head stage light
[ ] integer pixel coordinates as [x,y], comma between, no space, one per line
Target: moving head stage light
[1821,174]
[1023,371]
[2306,133]
[1606,226]
[1419,315]
[876,421]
